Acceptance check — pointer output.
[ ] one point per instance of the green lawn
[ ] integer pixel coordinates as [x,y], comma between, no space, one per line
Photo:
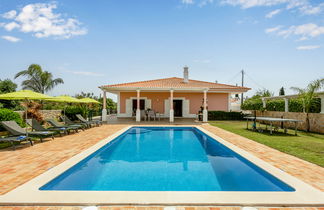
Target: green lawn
[307,146]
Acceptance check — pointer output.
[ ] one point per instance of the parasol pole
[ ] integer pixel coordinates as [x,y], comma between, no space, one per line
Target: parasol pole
[26,109]
[64,113]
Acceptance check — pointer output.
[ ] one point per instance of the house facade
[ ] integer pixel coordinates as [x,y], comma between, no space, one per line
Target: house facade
[171,97]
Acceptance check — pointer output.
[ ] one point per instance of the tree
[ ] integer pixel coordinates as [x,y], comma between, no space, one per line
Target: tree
[111,105]
[263,93]
[86,95]
[307,96]
[282,91]
[7,86]
[38,80]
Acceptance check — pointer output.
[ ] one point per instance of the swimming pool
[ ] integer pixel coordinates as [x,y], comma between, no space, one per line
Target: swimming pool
[165,159]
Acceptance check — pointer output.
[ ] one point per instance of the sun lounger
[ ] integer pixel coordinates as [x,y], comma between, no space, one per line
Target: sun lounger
[16,130]
[95,122]
[13,139]
[56,124]
[38,127]
[71,123]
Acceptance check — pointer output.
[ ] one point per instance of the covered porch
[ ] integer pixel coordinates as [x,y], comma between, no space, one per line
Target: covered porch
[113,119]
[163,104]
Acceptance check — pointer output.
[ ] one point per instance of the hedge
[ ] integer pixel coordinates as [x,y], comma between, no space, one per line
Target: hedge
[294,105]
[221,115]
[252,104]
[71,111]
[275,105]
[7,115]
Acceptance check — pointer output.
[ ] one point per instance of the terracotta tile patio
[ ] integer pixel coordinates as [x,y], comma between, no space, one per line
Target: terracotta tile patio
[22,165]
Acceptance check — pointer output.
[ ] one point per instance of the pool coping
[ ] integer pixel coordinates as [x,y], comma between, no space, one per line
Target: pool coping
[29,193]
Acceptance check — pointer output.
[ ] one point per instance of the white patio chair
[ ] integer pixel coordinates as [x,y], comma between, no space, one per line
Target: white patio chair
[143,115]
[151,114]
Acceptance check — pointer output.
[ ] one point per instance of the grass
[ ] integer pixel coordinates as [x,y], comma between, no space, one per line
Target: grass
[307,146]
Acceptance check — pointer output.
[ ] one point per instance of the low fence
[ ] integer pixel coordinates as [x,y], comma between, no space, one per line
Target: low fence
[316,120]
[47,114]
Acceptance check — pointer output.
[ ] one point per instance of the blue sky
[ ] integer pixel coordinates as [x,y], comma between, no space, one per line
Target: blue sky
[91,43]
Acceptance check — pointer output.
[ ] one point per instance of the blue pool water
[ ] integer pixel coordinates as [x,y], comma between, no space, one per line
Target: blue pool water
[165,159]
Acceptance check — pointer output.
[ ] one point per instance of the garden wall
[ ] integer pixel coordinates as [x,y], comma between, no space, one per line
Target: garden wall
[46,113]
[316,119]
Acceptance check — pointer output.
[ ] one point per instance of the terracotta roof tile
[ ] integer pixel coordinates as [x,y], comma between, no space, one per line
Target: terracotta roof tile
[175,82]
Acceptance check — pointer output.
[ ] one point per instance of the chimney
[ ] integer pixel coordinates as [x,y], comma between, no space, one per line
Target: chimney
[185,74]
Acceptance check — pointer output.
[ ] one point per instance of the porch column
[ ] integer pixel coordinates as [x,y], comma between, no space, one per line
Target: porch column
[138,111]
[171,107]
[104,107]
[286,104]
[322,104]
[205,112]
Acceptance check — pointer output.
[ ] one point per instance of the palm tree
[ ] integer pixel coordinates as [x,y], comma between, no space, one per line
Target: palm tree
[38,80]
[307,96]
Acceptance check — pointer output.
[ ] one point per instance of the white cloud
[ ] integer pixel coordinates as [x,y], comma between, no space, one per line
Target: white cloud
[273,13]
[11,38]
[274,29]
[304,31]
[308,9]
[308,47]
[205,2]
[187,1]
[10,26]
[40,20]
[253,3]
[303,6]
[86,73]
[200,3]
[10,15]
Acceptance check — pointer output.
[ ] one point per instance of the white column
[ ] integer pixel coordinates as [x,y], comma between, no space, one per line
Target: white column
[286,104]
[171,107]
[138,111]
[322,103]
[104,107]
[264,103]
[205,112]
[229,102]
[118,103]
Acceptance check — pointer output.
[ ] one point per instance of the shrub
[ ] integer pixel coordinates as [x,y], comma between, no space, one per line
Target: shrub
[7,115]
[53,106]
[252,104]
[275,105]
[71,111]
[294,105]
[33,110]
[221,115]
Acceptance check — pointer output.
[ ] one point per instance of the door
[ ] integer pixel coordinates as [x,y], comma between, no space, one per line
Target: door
[177,107]
[142,104]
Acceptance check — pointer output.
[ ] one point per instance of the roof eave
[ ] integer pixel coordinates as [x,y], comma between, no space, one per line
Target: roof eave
[200,89]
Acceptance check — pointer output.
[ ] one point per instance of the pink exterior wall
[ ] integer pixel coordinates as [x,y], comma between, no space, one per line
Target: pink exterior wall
[216,101]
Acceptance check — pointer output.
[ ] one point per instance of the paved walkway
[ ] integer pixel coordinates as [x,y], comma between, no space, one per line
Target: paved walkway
[18,167]
[23,164]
